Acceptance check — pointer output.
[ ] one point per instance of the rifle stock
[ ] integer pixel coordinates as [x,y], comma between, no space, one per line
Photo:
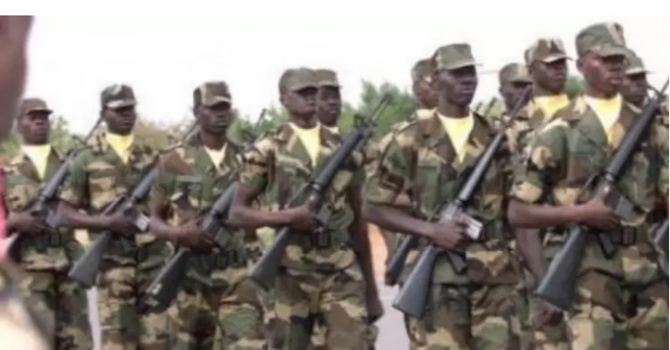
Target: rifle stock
[268,265]
[397,261]
[558,286]
[85,269]
[412,301]
[164,288]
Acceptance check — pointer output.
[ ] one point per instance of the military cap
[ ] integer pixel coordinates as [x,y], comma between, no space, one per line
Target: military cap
[546,50]
[296,79]
[33,105]
[327,77]
[514,72]
[603,39]
[422,70]
[634,64]
[117,96]
[453,56]
[210,93]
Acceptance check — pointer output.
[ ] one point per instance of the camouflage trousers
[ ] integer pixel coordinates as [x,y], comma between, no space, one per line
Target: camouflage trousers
[336,299]
[121,282]
[536,335]
[466,317]
[629,311]
[319,336]
[215,318]
[65,302]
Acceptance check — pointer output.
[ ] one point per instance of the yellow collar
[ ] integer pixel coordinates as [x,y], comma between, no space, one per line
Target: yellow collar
[310,138]
[121,145]
[459,130]
[39,156]
[551,104]
[607,111]
[216,155]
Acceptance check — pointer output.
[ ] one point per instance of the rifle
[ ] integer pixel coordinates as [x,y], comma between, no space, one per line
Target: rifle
[85,269]
[249,133]
[660,234]
[43,207]
[413,295]
[558,286]
[312,192]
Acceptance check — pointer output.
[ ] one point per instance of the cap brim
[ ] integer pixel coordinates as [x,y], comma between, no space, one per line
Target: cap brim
[637,70]
[299,87]
[216,100]
[120,103]
[610,51]
[521,80]
[461,64]
[555,58]
[38,109]
[331,83]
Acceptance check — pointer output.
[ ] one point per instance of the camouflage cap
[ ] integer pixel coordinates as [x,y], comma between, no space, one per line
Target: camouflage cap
[327,77]
[453,56]
[603,39]
[634,64]
[117,96]
[514,72]
[546,50]
[422,70]
[296,79]
[33,105]
[210,93]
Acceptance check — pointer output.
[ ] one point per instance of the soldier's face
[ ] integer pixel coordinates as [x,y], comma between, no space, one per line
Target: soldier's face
[34,127]
[605,74]
[215,119]
[425,93]
[550,76]
[121,120]
[302,102]
[328,105]
[458,86]
[512,92]
[634,88]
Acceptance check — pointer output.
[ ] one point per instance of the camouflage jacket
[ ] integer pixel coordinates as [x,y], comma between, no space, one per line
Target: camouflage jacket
[22,185]
[98,176]
[279,164]
[420,162]
[188,184]
[574,146]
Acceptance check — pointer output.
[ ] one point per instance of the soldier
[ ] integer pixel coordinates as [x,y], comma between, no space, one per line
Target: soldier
[19,324]
[45,255]
[424,161]
[109,168]
[217,307]
[635,86]
[627,290]
[323,274]
[514,80]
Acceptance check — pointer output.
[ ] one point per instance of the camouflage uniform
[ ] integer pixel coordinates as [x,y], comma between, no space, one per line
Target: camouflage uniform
[522,131]
[97,177]
[474,310]
[217,307]
[47,258]
[320,277]
[622,302]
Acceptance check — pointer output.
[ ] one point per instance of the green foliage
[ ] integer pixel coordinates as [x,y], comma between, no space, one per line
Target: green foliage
[574,86]
[401,107]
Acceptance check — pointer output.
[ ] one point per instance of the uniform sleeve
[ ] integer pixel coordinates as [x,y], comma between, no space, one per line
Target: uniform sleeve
[663,150]
[257,164]
[74,191]
[544,166]
[390,176]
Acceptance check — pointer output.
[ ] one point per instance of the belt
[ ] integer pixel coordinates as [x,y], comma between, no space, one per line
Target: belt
[222,260]
[628,236]
[494,230]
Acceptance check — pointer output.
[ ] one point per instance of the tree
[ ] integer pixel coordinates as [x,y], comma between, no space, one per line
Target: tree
[574,86]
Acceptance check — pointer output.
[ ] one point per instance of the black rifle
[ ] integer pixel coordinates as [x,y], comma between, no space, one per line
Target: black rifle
[311,193]
[44,206]
[558,286]
[660,234]
[86,268]
[250,132]
[413,295]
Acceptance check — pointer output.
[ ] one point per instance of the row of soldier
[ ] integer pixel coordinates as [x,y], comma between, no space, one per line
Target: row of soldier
[325,295]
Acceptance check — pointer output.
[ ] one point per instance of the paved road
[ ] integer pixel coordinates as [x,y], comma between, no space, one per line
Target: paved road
[392,331]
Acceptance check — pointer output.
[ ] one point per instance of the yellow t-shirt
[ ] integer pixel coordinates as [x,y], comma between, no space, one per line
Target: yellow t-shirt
[39,155]
[551,104]
[310,138]
[607,110]
[333,129]
[459,130]
[121,145]
[216,155]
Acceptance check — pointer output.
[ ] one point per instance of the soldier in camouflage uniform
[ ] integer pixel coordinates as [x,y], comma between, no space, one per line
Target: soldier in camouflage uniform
[514,79]
[325,275]
[111,167]
[217,307]
[635,86]
[45,255]
[425,160]
[621,302]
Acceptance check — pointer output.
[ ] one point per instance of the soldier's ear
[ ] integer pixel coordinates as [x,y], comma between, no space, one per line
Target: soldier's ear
[581,64]
[282,99]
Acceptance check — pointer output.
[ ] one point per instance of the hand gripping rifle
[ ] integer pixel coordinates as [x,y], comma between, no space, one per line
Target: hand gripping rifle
[44,207]
[558,286]
[312,192]
[86,268]
[413,296]
[164,288]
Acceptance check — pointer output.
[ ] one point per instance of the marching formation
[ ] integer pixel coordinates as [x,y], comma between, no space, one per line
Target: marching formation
[544,227]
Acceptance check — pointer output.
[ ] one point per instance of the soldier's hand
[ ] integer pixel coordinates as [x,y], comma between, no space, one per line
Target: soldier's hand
[25,223]
[301,218]
[121,224]
[596,214]
[375,308]
[550,315]
[191,236]
[450,235]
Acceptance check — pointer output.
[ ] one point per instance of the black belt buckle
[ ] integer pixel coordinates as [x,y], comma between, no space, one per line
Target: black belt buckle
[628,236]
[321,239]
[54,239]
